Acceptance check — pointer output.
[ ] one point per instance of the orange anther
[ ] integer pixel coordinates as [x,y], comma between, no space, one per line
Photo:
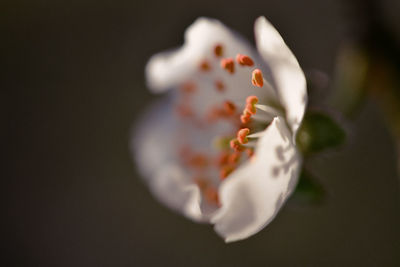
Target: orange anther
[229,108]
[257,78]
[212,114]
[188,87]
[205,65]
[225,171]
[228,64]
[220,86]
[242,135]
[216,113]
[236,145]
[198,161]
[250,109]
[218,50]
[201,182]
[184,110]
[250,152]
[244,60]
[245,118]
[211,195]
[234,158]
[252,100]
[223,159]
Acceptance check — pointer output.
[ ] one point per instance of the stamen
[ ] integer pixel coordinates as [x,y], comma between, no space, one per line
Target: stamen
[220,86]
[228,64]
[234,158]
[211,195]
[250,144]
[229,108]
[225,171]
[250,104]
[205,66]
[210,192]
[236,145]
[272,111]
[250,152]
[222,142]
[213,114]
[245,118]
[256,135]
[198,161]
[242,135]
[201,182]
[216,113]
[223,159]
[252,100]
[265,118]
[244,60]
[257,78]
[184,111]
[188,87]
[250,109]
[218,50]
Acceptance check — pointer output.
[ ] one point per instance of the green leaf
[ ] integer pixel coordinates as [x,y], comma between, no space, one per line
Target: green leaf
[319,132]
[308,190]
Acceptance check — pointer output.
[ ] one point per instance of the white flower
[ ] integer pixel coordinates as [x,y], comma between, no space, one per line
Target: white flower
[220,147]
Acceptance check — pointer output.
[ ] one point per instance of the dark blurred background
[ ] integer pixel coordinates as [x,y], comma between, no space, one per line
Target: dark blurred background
[73,85]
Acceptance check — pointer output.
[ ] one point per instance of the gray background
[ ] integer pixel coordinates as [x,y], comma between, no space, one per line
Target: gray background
[73,86]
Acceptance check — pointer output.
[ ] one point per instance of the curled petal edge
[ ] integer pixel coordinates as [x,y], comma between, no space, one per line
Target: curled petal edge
[166,70]
[172,188]
[152,154]
[252,195]
[288,76]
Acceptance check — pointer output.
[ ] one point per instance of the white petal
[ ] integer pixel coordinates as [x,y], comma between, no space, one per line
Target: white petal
[286,72]
[172,188]
[252,195]
[149,147]
[154,148]
[168,69]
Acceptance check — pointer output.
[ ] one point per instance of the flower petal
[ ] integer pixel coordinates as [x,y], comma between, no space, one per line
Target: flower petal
[175,69]
[169,69]
[151,151]
[153,147]
[171,187]
[252,195]
[286,72]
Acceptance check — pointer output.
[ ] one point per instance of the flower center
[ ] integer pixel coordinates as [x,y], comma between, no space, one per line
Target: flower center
[236,145]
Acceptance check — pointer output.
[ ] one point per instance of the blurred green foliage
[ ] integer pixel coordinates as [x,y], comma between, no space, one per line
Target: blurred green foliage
[308,190]
[319,132]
